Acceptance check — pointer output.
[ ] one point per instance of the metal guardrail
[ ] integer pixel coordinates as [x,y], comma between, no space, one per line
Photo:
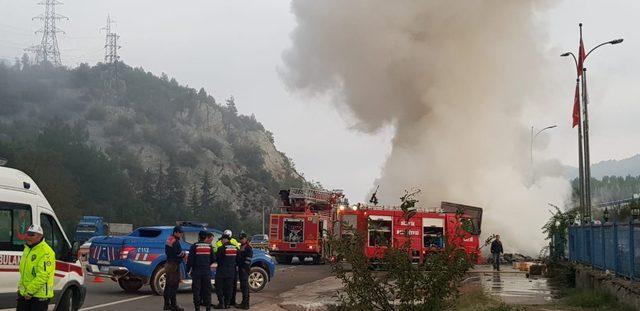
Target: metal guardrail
[610,246]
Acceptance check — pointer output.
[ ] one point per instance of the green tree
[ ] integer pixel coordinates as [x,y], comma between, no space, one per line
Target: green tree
[175,194]
[207,199]
[194,203]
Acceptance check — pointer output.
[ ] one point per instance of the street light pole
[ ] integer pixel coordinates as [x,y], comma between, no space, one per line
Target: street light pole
[533,137]
[583,131]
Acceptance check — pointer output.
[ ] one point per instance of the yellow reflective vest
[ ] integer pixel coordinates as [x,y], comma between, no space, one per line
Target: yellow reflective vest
[37,270]
[233,242]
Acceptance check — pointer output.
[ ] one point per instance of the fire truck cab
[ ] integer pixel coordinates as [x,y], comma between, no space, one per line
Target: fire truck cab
[425,231]
[303,227]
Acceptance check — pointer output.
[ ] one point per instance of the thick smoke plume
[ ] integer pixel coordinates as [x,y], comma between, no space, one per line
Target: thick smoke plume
[453,78]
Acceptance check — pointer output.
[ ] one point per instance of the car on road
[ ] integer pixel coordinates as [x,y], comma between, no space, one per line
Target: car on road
[260,241]
[138,259]
[22,204]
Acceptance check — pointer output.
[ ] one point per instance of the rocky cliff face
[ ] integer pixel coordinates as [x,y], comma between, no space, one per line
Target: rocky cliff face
[155,123]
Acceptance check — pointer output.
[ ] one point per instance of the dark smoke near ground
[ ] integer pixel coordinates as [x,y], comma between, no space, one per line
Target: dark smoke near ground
[453,79]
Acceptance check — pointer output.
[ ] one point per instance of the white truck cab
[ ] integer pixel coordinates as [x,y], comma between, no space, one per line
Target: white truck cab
[22,204]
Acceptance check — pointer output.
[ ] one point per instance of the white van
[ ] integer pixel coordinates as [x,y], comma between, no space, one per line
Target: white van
[21,204]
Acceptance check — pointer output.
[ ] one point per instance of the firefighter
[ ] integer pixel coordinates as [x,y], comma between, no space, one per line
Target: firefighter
[175,254]
[496,250]
[225,272]
[235,243]
[244,268]
[201,257]
[37,267]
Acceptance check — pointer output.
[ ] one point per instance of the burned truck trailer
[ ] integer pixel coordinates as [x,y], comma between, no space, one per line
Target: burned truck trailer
[425,231]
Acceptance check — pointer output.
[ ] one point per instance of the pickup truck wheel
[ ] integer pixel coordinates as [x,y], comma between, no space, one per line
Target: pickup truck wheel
[158,280]
[130,285]
[258,279]
[66,301]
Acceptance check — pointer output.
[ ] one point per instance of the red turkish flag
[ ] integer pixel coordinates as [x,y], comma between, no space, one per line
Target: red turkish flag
[581,56]
[576,107]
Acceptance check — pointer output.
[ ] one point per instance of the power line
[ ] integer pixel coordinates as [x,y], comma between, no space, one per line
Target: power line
[47,51]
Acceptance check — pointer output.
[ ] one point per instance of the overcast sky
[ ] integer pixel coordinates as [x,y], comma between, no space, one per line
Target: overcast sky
[235,48]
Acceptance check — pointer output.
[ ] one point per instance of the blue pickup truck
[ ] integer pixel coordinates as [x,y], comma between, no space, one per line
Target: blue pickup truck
[138,259]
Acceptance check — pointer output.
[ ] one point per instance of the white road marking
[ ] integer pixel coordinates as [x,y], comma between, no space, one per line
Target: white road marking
[114,303]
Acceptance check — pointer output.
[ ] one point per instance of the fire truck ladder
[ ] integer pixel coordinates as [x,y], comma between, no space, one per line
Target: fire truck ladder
[311,196]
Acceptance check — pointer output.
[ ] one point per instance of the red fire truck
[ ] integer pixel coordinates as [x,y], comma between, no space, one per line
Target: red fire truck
[301,230]
[426,230]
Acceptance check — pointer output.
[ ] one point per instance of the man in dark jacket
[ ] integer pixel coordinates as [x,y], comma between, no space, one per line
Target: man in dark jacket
[201,257]
[245,255]
[496,250]
[173,250]
[225,272]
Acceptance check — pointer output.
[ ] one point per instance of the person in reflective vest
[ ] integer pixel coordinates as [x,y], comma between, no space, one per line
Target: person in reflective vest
[225,272]
[232,240]
[37,271]
[245,256]
[199,262]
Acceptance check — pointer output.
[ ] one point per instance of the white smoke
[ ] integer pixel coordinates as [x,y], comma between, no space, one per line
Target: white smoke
[453,78]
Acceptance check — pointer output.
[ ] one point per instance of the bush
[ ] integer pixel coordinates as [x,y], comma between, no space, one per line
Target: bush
[250,156]
[212,144]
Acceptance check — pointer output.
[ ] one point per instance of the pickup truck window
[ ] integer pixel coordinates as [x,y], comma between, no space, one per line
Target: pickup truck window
[191,237]
[86,228]
[14,221]
[148,233]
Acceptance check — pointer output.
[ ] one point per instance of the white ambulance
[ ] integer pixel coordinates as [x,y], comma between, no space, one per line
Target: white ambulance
[22,204]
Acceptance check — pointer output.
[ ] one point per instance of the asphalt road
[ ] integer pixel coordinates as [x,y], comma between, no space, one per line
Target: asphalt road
[108,295]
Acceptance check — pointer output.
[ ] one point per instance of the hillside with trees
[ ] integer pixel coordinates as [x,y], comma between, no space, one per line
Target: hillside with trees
[137,148]
[609,188]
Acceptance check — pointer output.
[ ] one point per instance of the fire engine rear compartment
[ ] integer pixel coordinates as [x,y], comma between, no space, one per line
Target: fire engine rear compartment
[297,235]
[425,232]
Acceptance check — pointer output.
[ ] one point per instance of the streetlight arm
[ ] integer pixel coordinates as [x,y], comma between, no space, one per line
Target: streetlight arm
[604,43]
[546,128]
[575,60]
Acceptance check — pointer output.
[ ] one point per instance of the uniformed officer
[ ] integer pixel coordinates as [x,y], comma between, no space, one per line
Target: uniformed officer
[245,255]
[37,270]
[201,257]
[175,254]
[235,243]
[226,271]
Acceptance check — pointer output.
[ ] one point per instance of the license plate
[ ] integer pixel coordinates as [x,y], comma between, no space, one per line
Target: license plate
[104,269]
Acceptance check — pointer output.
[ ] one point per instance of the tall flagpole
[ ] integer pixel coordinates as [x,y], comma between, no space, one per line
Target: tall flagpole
[580,159]
[587,163]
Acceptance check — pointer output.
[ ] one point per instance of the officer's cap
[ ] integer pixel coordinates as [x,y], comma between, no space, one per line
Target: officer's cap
[203,234]
[177,229]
